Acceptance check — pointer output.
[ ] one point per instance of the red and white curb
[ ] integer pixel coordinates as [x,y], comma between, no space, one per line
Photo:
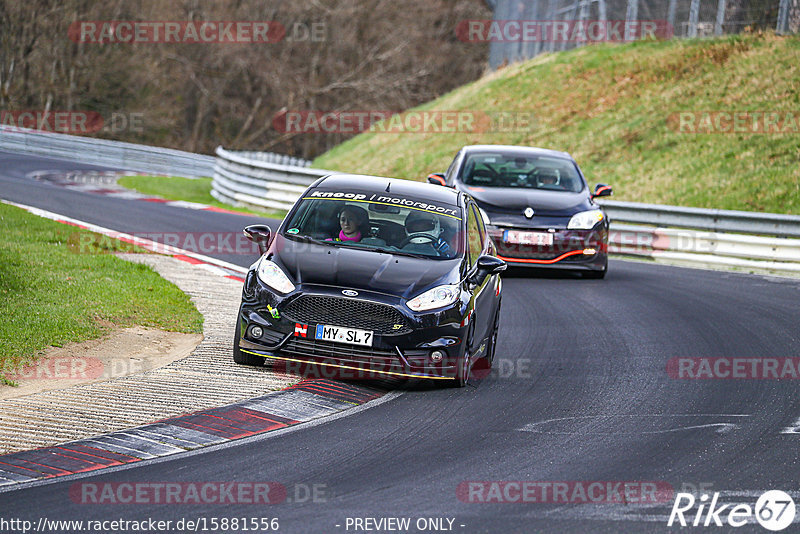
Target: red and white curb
[104,183]
[301,403]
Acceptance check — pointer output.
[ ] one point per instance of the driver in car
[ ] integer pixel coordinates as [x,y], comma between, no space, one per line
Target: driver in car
[549,180]
[427,227]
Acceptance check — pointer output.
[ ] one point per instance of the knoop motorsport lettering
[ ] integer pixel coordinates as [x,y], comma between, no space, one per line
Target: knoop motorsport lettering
[384,199]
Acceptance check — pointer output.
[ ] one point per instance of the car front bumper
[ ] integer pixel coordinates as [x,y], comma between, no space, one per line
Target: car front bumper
[289,334]
[571,249]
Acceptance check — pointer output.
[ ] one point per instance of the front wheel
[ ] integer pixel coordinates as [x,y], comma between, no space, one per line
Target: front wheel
[462,374]
[490,351]
[464,364]
[240,357]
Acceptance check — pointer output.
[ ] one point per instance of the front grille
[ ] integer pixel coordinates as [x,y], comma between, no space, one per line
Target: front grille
[296,346]
[379,318]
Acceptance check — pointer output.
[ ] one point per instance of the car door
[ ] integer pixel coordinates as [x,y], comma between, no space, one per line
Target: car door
[483,295]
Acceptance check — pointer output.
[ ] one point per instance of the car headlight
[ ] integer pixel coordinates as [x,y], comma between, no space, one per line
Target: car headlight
[485,216]
[274,277]
[437,297]
[585,220]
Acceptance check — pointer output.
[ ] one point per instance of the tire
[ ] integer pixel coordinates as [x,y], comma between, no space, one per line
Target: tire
[464,366]
[243,358]
[462,374]
[493,340]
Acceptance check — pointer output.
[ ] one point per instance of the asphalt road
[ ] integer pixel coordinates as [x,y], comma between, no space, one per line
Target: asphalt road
[580,392]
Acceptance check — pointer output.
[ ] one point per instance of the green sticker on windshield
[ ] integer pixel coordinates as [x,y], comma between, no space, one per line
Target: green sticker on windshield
[293,231]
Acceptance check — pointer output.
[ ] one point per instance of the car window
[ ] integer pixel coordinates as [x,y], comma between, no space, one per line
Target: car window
[448,175]
[485,169]
[474,242]
[481,223]
[388,223]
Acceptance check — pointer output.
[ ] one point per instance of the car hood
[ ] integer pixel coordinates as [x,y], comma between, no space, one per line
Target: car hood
[515,200]
[403,276]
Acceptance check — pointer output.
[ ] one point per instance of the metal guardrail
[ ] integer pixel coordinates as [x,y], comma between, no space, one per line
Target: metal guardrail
[242,179]
[272,157]
[692,236]
[704,248]
[705,237]
[114,154]
[715,220]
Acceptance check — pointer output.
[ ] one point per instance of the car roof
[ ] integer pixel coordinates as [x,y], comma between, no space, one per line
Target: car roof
[530,150]
[396,187]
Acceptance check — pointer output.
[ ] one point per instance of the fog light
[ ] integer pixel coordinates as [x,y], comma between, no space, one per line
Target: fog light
[589,251]
[256,331]
[436,356]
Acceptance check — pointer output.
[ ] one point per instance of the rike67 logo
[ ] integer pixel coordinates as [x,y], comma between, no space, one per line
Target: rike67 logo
[774,510]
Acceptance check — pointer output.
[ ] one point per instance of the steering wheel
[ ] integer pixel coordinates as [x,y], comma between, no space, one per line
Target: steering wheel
[415,235]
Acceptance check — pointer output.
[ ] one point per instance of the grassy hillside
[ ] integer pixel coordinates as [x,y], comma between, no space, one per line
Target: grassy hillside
[612,107]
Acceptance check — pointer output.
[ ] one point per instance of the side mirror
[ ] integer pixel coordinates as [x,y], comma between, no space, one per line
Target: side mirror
[260,234]
[487,265]
[437,178]
[602,190]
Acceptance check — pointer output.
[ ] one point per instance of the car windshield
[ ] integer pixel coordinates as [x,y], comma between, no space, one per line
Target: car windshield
[524,171]
[386,224]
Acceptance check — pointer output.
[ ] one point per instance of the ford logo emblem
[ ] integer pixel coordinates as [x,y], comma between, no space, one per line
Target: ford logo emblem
[528,212]
[349,293]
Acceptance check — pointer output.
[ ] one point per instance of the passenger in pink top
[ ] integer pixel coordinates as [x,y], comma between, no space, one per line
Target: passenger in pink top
[350,220]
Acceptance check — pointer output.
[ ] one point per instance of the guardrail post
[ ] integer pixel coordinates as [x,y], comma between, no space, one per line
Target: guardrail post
[671,14]
[694,15]
[551,16]
[631,16]
[582,16]
[782,25]
[602,14]
[720,17]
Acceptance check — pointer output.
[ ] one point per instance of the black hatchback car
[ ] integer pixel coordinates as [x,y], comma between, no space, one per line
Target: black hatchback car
[536,204]
[373,277]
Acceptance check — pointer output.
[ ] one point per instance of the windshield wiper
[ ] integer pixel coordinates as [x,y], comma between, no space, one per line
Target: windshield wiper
[399,252]
[309,239]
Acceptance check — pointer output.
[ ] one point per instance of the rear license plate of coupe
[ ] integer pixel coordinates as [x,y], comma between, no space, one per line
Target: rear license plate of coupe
[517,237]
[340,334]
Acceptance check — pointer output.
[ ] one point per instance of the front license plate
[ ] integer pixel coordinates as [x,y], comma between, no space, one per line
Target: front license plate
[340,334]
[517,237]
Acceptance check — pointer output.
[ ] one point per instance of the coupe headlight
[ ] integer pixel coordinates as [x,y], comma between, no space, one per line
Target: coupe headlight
[485,216]
[437,297]
[273,276]
[585,220]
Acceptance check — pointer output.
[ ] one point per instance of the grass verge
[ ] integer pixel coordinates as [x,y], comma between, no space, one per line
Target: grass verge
[614,108]
[187,189]
[53,291]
